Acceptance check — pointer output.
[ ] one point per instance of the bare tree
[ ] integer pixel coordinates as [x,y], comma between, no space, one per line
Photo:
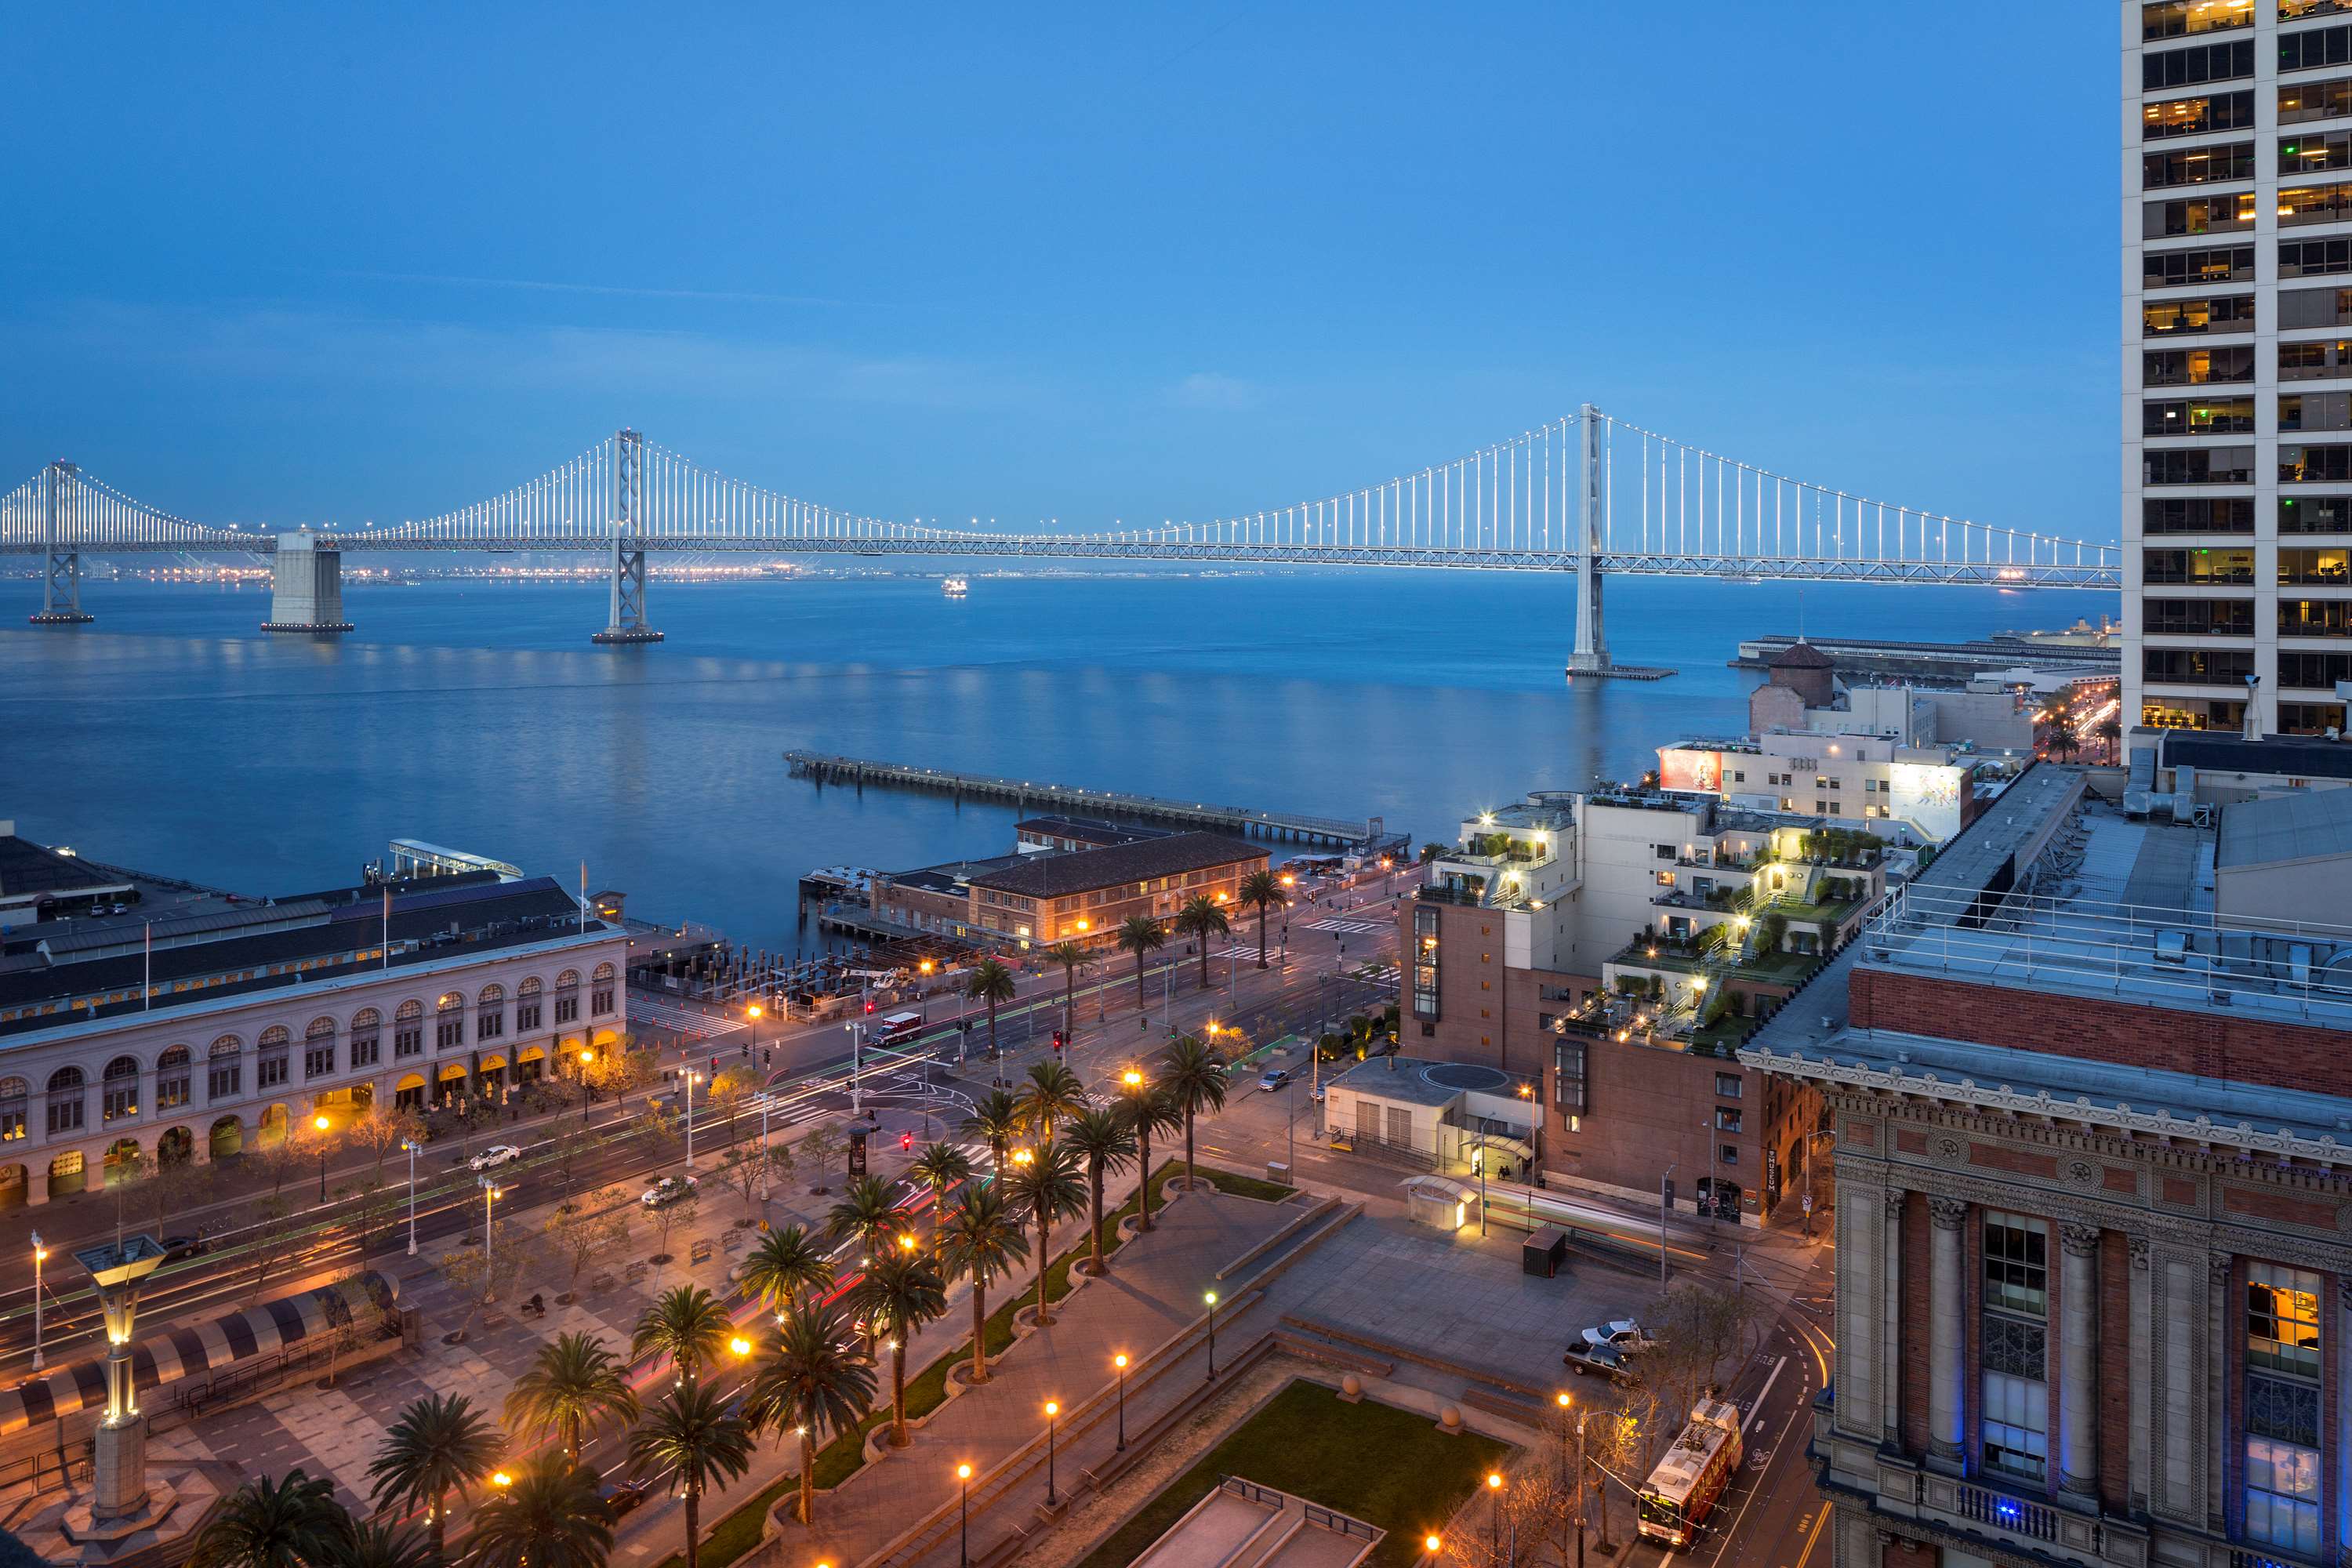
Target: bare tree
[821,1148]
[383,1129]
[668,1217]
[272,1237]
[174,1189]
[578,1236]
[744,1172]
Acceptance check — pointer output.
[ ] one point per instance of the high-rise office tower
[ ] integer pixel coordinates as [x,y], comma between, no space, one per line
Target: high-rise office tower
[2237,322]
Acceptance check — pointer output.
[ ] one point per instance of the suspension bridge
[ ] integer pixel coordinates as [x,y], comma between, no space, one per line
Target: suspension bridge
[1587,495]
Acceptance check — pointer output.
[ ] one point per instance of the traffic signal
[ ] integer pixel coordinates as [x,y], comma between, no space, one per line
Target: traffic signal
[1057,1041]
[869,1007]
[905,1142]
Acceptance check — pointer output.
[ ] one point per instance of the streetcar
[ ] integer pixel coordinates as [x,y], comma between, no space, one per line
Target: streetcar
[1690,1480]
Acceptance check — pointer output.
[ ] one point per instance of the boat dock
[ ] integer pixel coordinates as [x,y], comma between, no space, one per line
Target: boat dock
[1939,661]
[1027,793]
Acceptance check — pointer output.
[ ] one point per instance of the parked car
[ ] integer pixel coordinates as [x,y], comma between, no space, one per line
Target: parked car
[491,1158]
[1605,1360]
[178,1247]
[1273,1079]
[622,1496]
[1624,1334]
[668,1190]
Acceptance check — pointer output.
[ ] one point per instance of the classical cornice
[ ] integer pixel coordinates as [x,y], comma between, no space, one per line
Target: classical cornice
[2283,1143]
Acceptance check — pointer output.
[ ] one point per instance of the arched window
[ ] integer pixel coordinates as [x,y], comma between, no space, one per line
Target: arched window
[13,1093]
[319,1050]
[567,998]
[224,1078]
[171,1069]
[490,1013]
[408,1029]
[599,994]
[605,972]
[65,1101]
[367,1027]
[119,1095]
[529,987]
[270,1069]
[449,1021]
[528,1015]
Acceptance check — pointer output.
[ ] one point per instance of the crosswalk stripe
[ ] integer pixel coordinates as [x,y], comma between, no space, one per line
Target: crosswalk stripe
[683,1020]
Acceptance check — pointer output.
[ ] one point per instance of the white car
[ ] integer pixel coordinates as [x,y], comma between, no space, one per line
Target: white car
[667,1191]
[1623,1334]
[491,1158]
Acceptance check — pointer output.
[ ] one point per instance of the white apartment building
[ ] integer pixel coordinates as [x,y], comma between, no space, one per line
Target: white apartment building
[1905,795]
[2237,356]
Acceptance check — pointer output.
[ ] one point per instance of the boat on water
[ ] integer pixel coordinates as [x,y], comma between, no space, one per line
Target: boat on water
[954,587]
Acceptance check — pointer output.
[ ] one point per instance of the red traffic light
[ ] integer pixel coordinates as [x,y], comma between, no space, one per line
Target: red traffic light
[869,1007]
[906,1140]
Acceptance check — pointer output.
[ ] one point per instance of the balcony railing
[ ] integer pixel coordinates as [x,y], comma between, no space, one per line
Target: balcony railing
[2039,1521]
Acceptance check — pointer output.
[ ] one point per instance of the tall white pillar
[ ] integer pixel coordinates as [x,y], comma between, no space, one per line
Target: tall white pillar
[2078,1329]
[1947,1363]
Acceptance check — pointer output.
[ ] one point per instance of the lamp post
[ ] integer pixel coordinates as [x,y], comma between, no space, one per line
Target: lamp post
[1052,1410]
[1666,1185]
[963,1528]
[1212,1338]
[1119,1361]
[410,1144]
[40,1255]
[1495,1515]
[692,1077]
[490,1193]
[320,1124]
[119,1495]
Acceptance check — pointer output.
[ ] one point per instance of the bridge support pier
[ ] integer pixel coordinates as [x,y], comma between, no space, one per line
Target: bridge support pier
[626,622]
[60,555]
[306,588]
[1590,654]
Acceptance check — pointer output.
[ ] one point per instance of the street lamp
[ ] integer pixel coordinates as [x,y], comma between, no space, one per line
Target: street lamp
[1212,1338]
[692,1077]
[1119,1361]
[410,1144]
[1495,1515]
[490,1193]
[40,1255]
[1666,1185]
[963,1551]
[321,1124]
[1052,1410]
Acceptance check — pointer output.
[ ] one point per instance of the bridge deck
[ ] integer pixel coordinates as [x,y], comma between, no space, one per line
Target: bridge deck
[827,768]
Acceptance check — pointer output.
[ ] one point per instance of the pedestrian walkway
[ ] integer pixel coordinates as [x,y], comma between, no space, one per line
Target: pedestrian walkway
[1347,927]
[1154,1290]
[680,1019]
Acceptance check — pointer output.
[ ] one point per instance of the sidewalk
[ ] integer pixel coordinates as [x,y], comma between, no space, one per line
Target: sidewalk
[1154,1291]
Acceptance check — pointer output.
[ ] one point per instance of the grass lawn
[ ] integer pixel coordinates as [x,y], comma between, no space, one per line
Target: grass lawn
[927,1390]
[1387,1466]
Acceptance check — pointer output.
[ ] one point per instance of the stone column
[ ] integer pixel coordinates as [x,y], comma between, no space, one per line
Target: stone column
[2078,1395]
[1890,1327]
[2140,1383]
[2344,1425]
[1861,1358]
[1947,1335]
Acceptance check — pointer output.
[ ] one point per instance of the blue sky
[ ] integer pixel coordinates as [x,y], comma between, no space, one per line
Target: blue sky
[299,264]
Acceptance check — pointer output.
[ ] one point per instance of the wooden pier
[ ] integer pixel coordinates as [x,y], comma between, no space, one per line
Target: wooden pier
[1028,794]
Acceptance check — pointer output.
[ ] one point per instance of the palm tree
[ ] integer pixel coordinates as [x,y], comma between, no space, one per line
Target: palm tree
[1195,1080]
[1072,957]
[687,1324]
[813,1383]
[438,1446]
[996,1118]
[692,1438]
[900,1293]
[1051,1096]
[992,983]
[938,1167]
[2111,731]
[1140,934]
[1100,1138]
[1262,891]
[288,1523]
[572,1384]
[1046,1185]
[2062,742]
[384,1545]
[1201,918]
[866,1213]
[551,1515]
[1149,1108]
[784,1266]
[982,1236]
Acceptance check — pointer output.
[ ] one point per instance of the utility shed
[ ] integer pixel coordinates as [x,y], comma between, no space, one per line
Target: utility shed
[2293,851]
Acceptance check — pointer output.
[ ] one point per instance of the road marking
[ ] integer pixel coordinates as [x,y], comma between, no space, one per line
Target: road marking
[1807,1554]
[1765,1393]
